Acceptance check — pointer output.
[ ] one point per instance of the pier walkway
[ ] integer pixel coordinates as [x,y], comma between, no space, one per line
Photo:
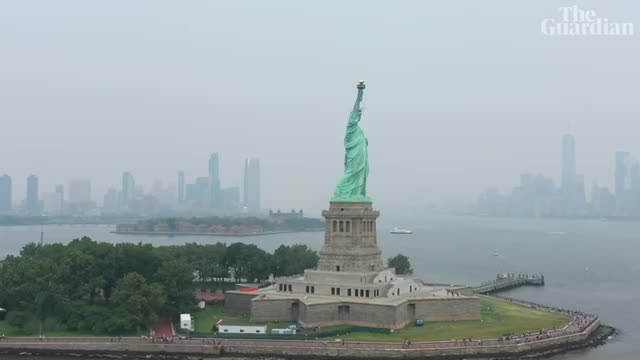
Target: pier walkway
[508,281]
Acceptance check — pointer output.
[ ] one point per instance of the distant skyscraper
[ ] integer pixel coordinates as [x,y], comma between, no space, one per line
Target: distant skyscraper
[6,201]
[128,192]
[622,179]
[603,202]
[230,198]
[572,184]
[568,162]
[79,191]
[578,194]
[33,200]
[180,186]
[190,193]
[622,173]
[634,177]
[252,184]
[60,192]
[214,181]
[197,194]
[110,203]
[52,204]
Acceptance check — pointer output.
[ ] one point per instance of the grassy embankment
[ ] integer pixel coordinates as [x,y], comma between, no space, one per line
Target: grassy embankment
[498,318]
[8,330]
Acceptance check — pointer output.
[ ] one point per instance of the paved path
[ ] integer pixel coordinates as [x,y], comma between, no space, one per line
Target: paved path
[579,323]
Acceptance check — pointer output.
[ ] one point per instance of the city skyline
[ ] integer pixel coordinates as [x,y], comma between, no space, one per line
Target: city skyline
[209,194]
[204,194]
[464,110]
[538,196]
[46,185]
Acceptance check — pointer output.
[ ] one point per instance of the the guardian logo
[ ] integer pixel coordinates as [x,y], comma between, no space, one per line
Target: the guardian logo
[574,21]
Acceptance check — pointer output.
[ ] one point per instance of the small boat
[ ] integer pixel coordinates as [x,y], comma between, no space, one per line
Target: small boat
[495,253]
[400,231]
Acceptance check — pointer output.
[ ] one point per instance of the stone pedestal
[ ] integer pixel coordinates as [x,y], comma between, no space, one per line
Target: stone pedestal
[350,243]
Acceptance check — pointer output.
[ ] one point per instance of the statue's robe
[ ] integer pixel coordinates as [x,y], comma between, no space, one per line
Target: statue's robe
[353,185]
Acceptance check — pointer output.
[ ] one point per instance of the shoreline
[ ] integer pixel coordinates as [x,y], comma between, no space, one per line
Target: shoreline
[582,332]
[592,336]
[177,233]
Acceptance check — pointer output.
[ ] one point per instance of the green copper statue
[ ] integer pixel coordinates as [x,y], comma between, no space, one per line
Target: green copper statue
[353,186]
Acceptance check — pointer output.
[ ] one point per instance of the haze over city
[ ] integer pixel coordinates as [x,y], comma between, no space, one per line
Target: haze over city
[349,179]
[92,90]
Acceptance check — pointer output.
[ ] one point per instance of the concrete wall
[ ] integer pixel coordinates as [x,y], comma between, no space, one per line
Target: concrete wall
[403,286]
[384,276]
[448,309]
[341,277]
[370,315]
[299,286]
[274,310]
[106,347]
[355,250]
[238,303]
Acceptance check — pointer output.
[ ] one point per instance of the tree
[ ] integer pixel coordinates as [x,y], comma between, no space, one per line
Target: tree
[137,304]
[35,285]
[293,260]
[259,264]
[176,277]
[211,264]
[19,320]
[236,261]
[140,283]
[77,267]
[139,258]
[248,262]
[401,264]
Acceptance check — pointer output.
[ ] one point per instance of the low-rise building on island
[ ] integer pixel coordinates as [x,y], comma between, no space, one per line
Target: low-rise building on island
[222,226]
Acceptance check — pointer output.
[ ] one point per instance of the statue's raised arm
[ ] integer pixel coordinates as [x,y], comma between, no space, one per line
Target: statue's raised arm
[360,87]
[353,185]
[356,113]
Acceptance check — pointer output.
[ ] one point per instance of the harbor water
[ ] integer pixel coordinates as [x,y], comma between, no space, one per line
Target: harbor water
[588,265]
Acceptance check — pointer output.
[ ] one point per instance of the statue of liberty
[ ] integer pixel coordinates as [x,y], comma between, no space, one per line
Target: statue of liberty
[353,185]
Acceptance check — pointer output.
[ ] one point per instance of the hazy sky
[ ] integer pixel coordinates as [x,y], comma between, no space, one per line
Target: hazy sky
[461,95]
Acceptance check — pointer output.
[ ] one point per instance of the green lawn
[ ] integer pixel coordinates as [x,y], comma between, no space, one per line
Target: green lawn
[498,318]
[8,330]
[205,319]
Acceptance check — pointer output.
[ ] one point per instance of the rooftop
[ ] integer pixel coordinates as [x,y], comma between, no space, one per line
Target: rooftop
[436,292]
